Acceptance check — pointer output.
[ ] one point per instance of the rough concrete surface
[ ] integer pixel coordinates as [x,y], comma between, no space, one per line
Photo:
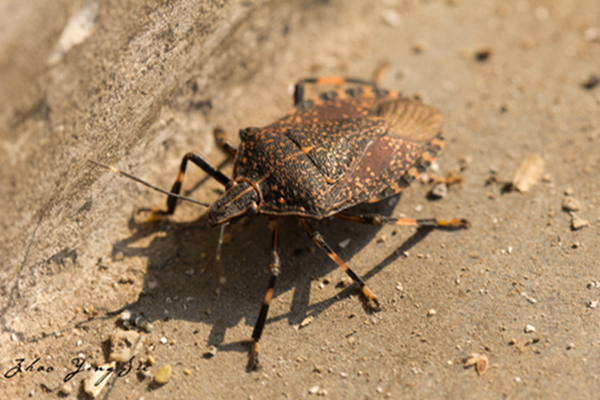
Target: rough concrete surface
[138,84]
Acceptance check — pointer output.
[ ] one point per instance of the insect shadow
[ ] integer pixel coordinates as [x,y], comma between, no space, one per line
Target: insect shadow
[185,281]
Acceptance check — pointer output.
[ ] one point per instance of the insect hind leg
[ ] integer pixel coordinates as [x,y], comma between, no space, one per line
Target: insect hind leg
[326,80]
[317,239]
[376,219]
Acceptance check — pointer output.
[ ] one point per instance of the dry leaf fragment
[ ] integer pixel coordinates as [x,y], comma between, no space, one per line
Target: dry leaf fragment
[480,361]
[529,173]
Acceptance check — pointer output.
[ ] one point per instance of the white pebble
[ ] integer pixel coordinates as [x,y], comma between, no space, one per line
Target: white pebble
[344,243]
[592,34]
[391,17]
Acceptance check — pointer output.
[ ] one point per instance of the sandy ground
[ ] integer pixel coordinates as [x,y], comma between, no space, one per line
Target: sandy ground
[520,287]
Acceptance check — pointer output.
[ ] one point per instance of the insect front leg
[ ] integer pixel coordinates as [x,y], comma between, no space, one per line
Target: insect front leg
[275,268]
[223,142]
[317,239]
[200,162]
[376,219]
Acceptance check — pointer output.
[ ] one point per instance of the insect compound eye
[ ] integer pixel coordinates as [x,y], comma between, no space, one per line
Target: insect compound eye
[252,209]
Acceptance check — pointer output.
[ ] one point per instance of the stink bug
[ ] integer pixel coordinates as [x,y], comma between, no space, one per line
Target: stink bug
[343,148]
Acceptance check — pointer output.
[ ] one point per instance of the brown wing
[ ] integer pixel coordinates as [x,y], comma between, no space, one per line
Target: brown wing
[333,129]
[333,146]
[412,142]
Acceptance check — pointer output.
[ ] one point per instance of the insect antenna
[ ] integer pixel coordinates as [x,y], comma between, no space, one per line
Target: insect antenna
[125,174]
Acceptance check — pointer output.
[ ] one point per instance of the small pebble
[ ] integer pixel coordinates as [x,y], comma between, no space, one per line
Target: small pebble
[591,82]
[163,375]
[144,324]
[431,313]
[344,282]
[66,388]
[570,204]
[483,54]
[307,321]
[420,46]
[578,223]
[529,329]
[212,350]
[163,340]
[439,191]
[344,243]
[591,34]
[125,315]
[122,344]
[593,304]
[547,178]
[313,390]
[391,17]
[528,173]
[465,162]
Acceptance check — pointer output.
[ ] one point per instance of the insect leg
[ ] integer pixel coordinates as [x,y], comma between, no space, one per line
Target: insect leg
[376,219]
[275,268]
[200,162]
[325,80]
[223,142]
[317,239]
